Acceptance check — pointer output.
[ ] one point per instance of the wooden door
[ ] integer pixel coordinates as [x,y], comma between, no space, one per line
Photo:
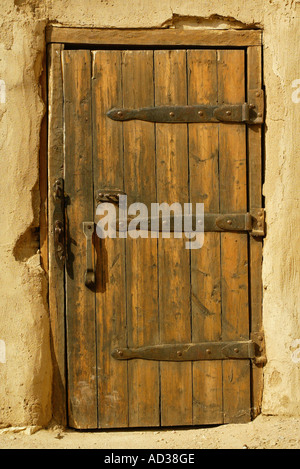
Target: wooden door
[150,291]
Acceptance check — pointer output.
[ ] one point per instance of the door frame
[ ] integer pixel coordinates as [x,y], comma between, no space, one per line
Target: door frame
[57,38]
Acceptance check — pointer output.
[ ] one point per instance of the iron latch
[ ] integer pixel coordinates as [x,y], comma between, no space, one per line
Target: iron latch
[251,112]
[59,222]
[111,196]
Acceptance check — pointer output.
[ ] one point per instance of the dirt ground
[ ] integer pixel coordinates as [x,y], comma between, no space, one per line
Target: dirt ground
[263,433]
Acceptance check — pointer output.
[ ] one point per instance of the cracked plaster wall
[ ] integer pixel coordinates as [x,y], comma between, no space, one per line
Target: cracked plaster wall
[25,363]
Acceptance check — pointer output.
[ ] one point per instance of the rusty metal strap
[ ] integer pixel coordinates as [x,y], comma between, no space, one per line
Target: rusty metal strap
[249,113]
[213,222]
[190,352]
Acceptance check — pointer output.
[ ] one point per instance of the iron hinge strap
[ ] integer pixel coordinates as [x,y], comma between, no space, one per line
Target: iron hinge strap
[191,352]
[251,112]
[253,222]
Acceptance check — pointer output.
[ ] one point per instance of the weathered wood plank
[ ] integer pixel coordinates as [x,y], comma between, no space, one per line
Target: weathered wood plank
[254,81]
[205,262]
[141,253]
[55,271]
[234,247]
[110,253]
[154,37]
[173,258]
[80,301]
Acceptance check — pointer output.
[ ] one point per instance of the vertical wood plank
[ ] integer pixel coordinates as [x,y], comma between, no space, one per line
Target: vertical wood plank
[254,74]
[173,258]
[205,262]
[141,253]
[234,246]
[56,272]
[110,253]
[80,301]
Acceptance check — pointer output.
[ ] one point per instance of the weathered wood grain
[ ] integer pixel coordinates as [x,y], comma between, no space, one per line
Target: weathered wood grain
[205,262]
[110,253]
[234,247]
[154,37]
[173,258]
[254,81]
[141,253]
[55,271]
[80,301]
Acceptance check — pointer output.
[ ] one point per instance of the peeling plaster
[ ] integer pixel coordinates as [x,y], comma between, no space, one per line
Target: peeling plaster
[213,21]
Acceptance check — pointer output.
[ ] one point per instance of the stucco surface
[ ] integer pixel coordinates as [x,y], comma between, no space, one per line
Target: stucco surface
[25,360]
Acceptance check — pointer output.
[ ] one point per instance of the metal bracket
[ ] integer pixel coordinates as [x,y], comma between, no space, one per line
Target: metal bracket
[258,338]
[256,100]
[258,222]
[249,113]
[58,189]
[59,243]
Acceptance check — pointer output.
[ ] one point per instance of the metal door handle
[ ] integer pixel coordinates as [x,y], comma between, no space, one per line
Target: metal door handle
[89,277]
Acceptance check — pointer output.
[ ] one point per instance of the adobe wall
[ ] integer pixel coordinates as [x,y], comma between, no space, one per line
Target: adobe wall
[25,359]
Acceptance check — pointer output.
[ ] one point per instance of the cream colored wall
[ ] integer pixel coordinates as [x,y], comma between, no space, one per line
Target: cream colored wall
[25,361]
